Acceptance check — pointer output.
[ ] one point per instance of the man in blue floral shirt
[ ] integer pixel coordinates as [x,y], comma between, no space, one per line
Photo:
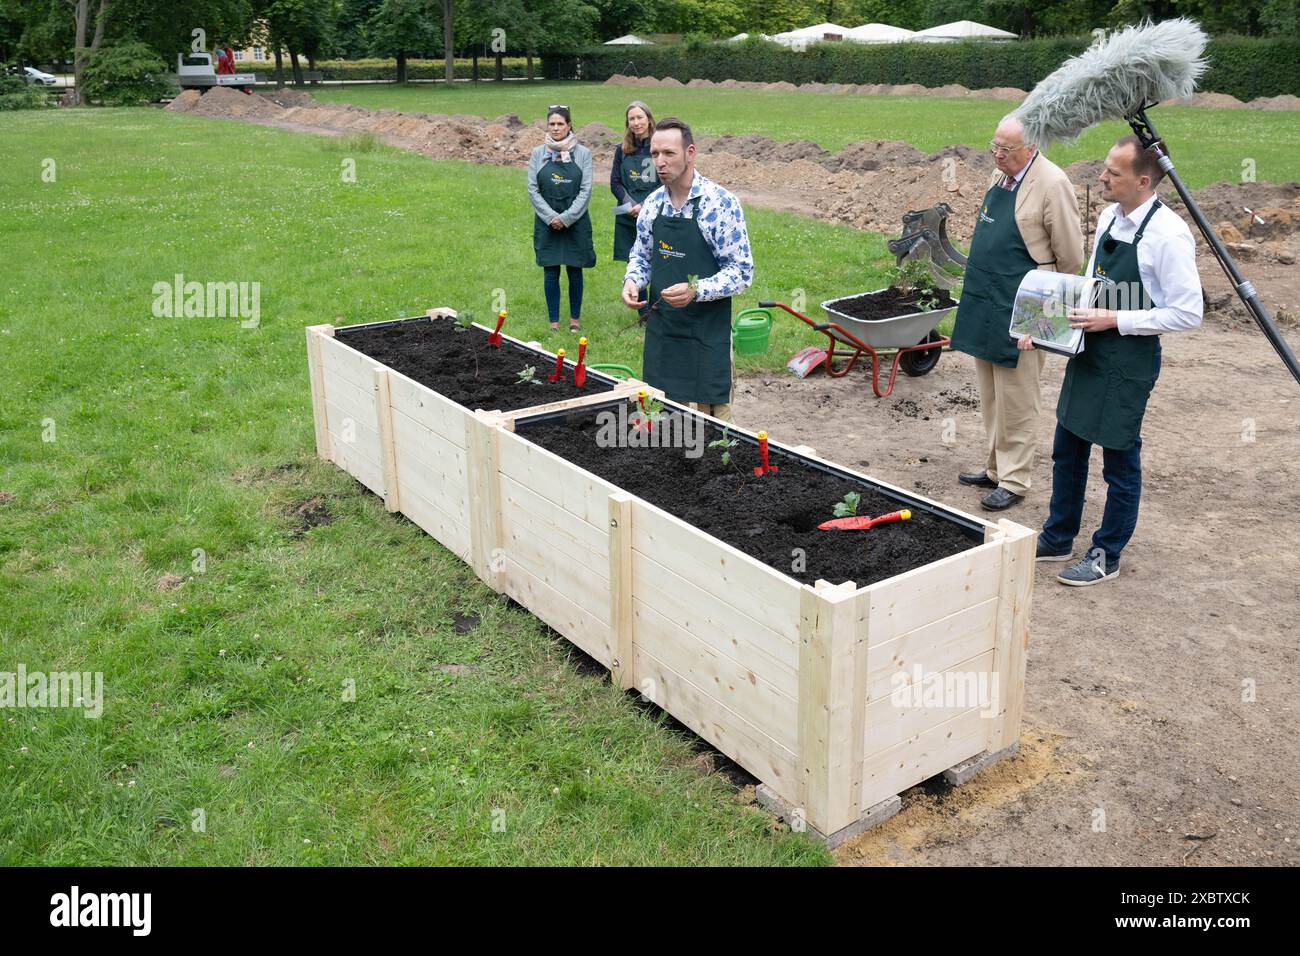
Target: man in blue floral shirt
[691,255]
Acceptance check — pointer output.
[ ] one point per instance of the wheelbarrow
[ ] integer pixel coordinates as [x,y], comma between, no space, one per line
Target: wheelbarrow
[913,340]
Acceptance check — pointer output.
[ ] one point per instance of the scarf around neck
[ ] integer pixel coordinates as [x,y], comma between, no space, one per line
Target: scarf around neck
[562,146]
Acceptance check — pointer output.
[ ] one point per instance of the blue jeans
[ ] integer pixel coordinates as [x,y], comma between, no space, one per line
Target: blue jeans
[1123,473]
[551,285]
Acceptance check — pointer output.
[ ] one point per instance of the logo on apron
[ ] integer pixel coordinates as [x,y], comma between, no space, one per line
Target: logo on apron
[666,251]
[557,179]
[985,217]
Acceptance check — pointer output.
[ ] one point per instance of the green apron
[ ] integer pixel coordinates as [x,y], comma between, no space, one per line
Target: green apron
[1106,386]
[997,261]
[687,351]
[559,183]
[638,176]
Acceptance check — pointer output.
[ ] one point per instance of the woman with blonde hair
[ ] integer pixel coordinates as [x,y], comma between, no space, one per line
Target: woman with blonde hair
[632,177]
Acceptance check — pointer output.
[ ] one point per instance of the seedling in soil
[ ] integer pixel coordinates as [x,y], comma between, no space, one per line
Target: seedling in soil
[494,337]
[915,276]
[764,468]
[580,370]
[464,321]
[559,367]
[848,505]
[651,410]
[529,375]
[726,443]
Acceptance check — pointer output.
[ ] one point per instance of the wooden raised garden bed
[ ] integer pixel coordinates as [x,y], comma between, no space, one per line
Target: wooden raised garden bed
[406,441]
[679,574]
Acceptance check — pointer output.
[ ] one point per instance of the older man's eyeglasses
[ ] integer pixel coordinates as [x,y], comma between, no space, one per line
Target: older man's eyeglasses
[997,149]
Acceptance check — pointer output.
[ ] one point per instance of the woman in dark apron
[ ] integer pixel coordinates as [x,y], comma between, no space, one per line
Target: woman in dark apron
[632,177]
[559,186]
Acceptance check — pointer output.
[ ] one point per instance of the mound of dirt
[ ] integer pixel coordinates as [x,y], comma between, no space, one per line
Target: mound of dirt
[231,104]
[872,154]
[187,100]
[951,89]
[1284,102]
[1216,100]
[1001,93]
[290,97]
[1278,204]
[597,134]
[670,81]
[509,121]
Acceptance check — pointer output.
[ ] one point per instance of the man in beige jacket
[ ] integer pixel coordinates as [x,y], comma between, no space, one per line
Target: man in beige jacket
[1029,220]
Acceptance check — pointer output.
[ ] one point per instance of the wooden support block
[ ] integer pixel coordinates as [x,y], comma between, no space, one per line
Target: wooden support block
[317,377]
[485,497]
[620,589]
[442,312]
[832,687]
[387,454]
[1011,634]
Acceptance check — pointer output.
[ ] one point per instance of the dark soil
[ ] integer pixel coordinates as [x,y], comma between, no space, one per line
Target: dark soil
[459,364]
[888,304]
[765,517]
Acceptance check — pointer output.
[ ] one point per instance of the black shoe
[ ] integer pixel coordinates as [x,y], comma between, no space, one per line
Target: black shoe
[1043,553]
[1000,500]
[980,478]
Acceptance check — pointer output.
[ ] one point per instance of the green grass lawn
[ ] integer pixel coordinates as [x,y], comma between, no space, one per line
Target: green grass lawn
[1208,145]
[174,435]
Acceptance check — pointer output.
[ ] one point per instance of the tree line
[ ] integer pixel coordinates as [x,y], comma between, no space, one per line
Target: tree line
[303,31]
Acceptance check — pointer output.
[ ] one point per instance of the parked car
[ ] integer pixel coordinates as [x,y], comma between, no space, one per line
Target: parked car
[37,78]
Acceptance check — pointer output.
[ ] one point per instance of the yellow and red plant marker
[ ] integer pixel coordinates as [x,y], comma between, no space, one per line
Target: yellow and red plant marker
[764,468]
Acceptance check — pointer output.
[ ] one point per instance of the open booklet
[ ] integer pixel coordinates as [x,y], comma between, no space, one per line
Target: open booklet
[1042,308]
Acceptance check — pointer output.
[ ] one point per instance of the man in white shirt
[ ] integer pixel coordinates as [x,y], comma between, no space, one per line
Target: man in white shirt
[1145,257]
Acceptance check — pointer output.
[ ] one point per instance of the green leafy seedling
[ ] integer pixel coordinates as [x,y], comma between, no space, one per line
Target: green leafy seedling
[726,443]
[528,375]
[848,506]
[464,321]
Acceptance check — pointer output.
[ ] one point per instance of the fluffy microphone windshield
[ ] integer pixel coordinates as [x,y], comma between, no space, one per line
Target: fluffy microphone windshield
[1114,79]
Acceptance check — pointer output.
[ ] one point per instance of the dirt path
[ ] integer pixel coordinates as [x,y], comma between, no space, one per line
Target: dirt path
[1135,687]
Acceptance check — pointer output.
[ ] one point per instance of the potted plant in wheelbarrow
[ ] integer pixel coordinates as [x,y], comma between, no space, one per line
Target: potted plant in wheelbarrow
[903,317]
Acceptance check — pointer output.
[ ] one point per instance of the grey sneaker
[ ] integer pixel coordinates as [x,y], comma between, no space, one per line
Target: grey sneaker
[1090,569]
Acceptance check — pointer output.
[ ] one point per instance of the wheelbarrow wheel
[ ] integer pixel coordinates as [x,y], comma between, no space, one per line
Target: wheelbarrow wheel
[920,363]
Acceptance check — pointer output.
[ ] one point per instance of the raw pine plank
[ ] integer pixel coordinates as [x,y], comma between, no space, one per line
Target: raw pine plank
[717,676]
[384,425]
[574,537]
[717,568]
[1010,649]
[926,594]
[440,415]
[887,723]
[621,595]
[935,647]
[343,361]
[919,758]
[442,527]
[728,630]
[733,735]
[579,626]
[441,485]
[315,375]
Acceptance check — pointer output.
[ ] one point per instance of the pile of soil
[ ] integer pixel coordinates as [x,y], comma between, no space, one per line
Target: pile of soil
[951,90]
[767,517]
[459,364]
[888,304]
[225,102]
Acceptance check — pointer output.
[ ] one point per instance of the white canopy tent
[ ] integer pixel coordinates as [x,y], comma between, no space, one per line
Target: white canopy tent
[962,30]
[878,33]
[813,34]
[628,40]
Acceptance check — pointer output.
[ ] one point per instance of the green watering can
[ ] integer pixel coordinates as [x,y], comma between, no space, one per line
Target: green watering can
[750,332]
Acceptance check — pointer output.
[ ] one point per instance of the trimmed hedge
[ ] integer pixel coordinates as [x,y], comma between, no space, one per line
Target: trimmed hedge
[387,69]
[1240,66]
